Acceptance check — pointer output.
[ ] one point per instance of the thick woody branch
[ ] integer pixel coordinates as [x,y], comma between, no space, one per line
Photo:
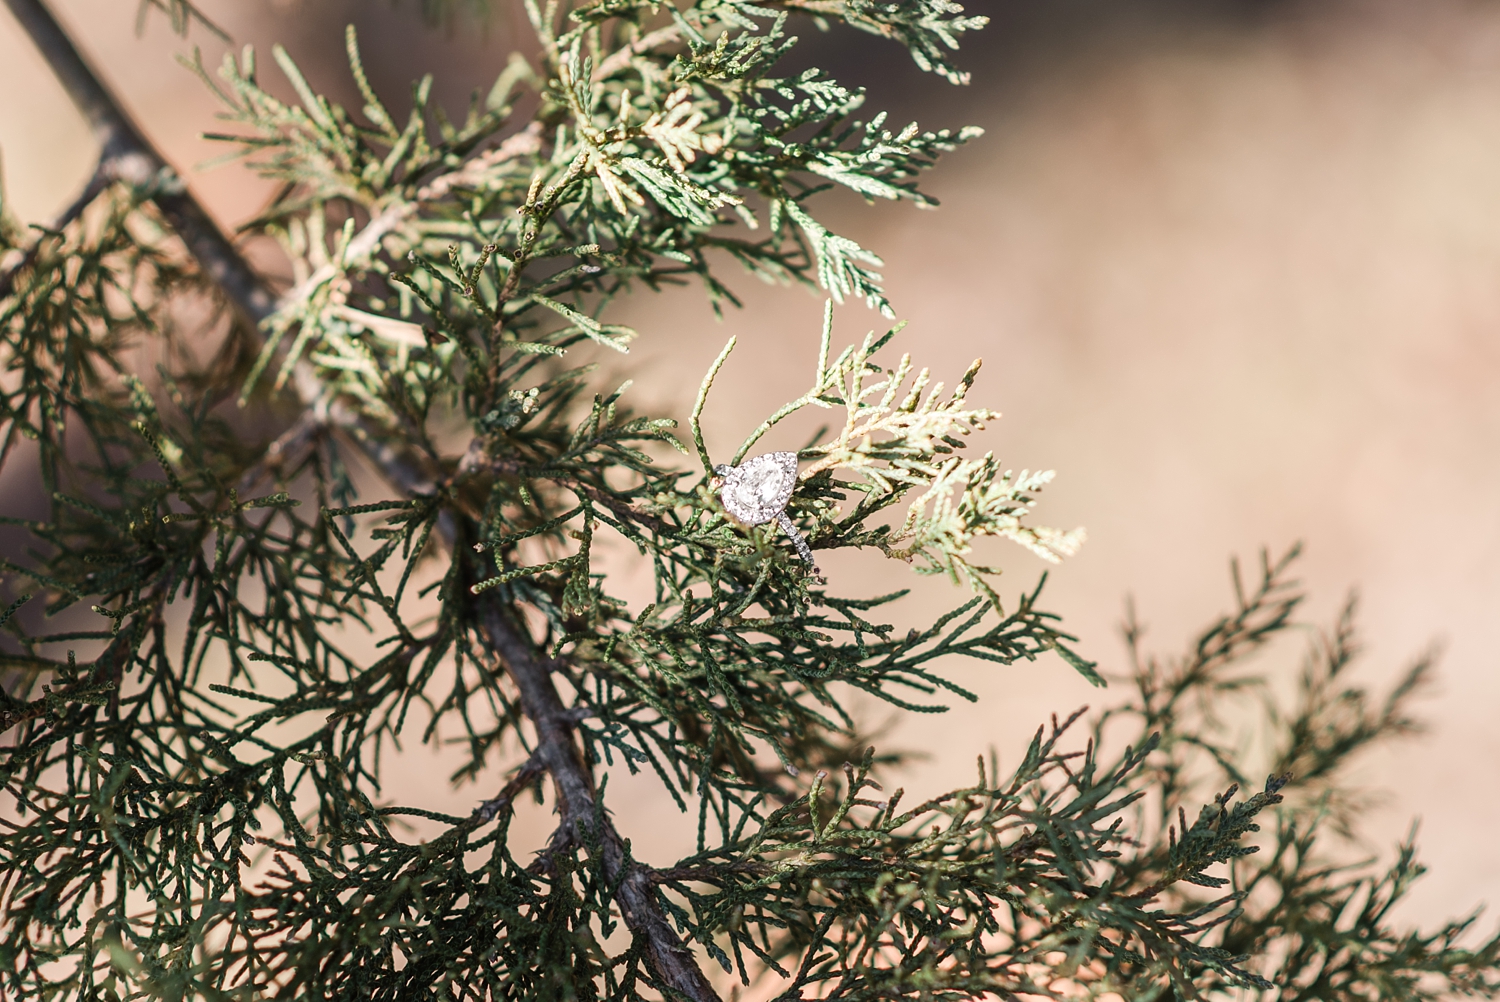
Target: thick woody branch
[128,155]
[670,959]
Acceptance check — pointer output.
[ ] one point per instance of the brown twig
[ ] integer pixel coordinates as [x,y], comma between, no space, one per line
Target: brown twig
[474,459]
[286,450]
[108,668]
[524,777]
[718,875]
[91,191]
[366,242]
[617,61]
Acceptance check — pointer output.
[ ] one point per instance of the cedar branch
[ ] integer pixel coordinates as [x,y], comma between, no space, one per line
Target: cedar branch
[125,148]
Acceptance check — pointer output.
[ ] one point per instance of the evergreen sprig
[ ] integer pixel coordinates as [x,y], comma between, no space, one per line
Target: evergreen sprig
[239,630]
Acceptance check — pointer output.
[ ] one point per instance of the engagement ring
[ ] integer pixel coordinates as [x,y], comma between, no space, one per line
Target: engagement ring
[758,490]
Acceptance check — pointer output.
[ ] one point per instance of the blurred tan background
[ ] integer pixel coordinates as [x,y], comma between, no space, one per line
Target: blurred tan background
[1235,271]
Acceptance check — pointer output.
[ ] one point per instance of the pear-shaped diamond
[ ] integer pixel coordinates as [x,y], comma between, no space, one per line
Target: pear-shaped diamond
[758,489]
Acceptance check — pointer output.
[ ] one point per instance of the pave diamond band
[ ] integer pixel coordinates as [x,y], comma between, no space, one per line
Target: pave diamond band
[757,491]
[803,550]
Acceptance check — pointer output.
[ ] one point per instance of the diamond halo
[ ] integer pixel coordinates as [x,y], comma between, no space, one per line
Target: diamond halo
[758,490]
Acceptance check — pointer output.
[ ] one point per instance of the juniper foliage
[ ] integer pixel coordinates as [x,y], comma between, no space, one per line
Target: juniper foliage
[236,638]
